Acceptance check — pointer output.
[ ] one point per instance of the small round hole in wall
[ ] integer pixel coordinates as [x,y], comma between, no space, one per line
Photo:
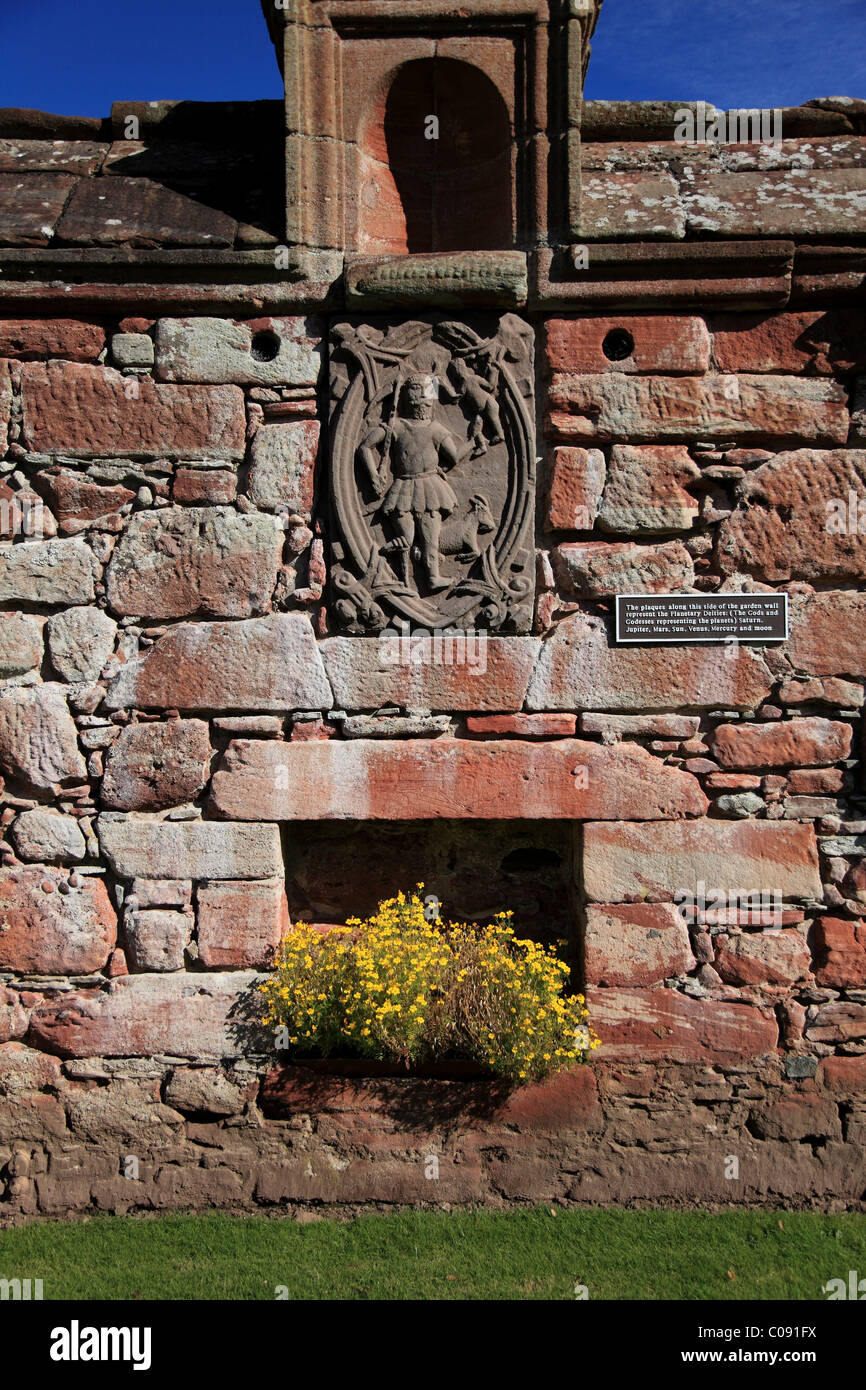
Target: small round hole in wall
[265,346]
[618,345]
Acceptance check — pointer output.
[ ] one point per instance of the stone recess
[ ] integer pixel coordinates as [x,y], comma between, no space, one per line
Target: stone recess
[38,742]
[80,641]
[139,1015]
[139,848]
[447,778]
[646,408]
[211,561]
[635,945]
[630,862]
[646,491]
[214,350]
[282,464]
[257,665]
[150,767]
[790,743]
[367,673]
[578,669]
[49,572]
[95,412]
[51,933]
[652,1024]
[241,924]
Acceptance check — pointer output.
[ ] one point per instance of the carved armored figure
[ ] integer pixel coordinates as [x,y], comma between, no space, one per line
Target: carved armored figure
[432,473]
[417,448]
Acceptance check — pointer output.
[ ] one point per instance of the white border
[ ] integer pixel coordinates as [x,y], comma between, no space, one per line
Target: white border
[717,641]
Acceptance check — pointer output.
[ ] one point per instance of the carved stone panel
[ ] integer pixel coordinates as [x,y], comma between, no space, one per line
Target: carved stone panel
[432,473]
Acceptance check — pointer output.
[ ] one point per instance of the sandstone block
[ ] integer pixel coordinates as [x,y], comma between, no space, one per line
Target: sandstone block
[20,644]
[639,944]
[634,409]
[268,663]
[197,849]
[777,958]
[828,634]
[839,949]
[76,339]
[631,862]
[38,743]
[578,669]
[668,345]
[96,412]
[48,837]
[646,490]
[660,1024]
[596,569]
[523,725]
[282,465]
[240,925]
[153,766]
[631,204]
[797,1119]
[52,933]
[264,352]
[203,1090]
[144,1015]
[180,562]
[574,490]
[48,572]
[783,203]
[784,743]
[80,641]
[447,778]
[156,939]
[367,673]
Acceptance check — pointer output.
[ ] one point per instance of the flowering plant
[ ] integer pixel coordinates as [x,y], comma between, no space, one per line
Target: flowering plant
[399,987]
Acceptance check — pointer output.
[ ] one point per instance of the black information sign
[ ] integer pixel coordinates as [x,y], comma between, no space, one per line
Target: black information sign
[702,617]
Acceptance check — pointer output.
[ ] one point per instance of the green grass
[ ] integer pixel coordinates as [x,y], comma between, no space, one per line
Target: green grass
[439,1255]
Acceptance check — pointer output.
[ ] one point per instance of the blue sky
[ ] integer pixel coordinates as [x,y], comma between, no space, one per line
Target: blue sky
[77,56]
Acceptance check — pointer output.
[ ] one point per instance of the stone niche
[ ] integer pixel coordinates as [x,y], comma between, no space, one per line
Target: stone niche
[432,474]
[339,870]
[435,127]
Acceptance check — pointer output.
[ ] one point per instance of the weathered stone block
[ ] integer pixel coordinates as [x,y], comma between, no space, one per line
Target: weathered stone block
[38,742]
[575,487]
[646,490]
[44,933]
[211,561]
[598,569]
[260,664]
[31,207]
[199,849]
[260,352]
[630,862]
[660,344]
[144,1015]
[839,949]
[95,412]
[49,572]
[282,465]
[786,743]
[80,641]
[45,836]
[791,202]
[631,205]
[156,939]
[634,409]
[121,211]
[663,1024]
[639,944]
[20,644]
[447,778]
[777,958]
[827,634]
[578,669]
[79,340]
[469,674]
[152,766]
[240,925]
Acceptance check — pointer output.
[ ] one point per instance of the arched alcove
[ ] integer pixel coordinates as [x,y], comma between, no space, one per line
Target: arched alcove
[439,163]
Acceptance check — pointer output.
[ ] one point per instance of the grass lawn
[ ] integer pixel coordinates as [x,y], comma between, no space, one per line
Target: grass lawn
[440,1255]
